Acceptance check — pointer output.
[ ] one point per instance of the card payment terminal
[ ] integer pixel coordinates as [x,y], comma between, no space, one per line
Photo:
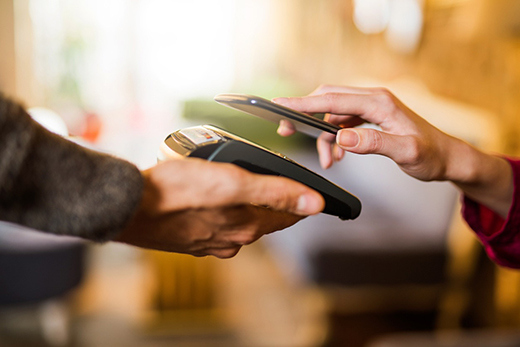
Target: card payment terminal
[214,144]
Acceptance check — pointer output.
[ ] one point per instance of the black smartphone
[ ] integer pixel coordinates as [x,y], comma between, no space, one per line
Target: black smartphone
[273,112]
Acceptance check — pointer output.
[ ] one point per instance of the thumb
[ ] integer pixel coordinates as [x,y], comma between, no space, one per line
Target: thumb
[371,141]
[283,194]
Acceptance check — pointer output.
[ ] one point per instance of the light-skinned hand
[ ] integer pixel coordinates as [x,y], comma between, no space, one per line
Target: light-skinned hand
[420,149]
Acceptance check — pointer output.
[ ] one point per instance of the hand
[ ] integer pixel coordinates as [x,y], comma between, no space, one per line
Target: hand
[415,145]
[420,149]
[204,208]
[327,148]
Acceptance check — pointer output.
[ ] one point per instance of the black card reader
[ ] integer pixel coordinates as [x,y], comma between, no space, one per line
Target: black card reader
[214,144]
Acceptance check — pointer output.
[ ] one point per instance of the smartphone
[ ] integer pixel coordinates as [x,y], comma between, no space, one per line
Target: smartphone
[270,111]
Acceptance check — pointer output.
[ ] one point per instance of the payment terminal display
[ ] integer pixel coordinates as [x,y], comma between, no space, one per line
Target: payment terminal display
[214,144]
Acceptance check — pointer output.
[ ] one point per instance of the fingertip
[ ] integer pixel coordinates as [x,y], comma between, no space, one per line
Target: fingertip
[337,152]
[341,153]
[285,128]
[279,100]
[325,153]
[325,162]
[310,203]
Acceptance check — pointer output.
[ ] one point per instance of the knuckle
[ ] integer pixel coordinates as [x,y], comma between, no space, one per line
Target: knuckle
[387,100]
[275,193]
[374,142]
[203,237]
[281,199]
[333,100]
[231,183]
[331,97]
[383,90]
[244,240]
[415,151]
[235,175]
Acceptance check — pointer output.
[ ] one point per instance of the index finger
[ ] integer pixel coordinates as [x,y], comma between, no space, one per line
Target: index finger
[370,107]
[327,88]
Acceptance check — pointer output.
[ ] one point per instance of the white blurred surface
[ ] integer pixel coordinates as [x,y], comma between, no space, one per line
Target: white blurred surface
[49,120]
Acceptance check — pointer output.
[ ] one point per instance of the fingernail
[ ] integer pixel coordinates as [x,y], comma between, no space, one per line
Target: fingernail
[341,153]
[283,130]
[348,138]
[279,100]
[309,204]
[337,150]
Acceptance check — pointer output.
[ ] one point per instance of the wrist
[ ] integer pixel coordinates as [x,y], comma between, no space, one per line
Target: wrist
[483,177]
[464,163]
[469,166]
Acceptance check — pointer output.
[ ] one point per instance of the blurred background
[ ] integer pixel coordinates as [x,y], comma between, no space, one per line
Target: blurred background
[120,75]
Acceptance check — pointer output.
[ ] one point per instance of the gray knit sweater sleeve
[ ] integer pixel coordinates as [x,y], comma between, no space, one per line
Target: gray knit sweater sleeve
[51,184]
